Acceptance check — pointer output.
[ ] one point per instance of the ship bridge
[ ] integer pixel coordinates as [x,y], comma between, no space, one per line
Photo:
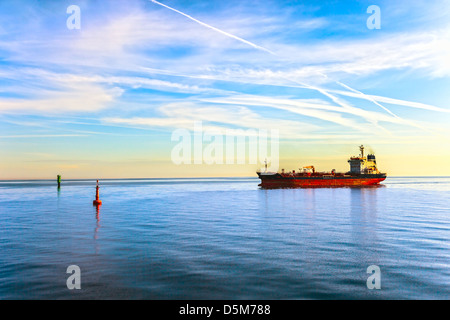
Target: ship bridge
[362,164]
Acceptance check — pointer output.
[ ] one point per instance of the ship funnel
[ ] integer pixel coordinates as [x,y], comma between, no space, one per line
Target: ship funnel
[371,157]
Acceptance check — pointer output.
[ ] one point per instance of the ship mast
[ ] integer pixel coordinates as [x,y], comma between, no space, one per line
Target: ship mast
[361,147]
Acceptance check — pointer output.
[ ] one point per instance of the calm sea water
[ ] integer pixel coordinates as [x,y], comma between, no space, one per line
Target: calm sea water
[224,239]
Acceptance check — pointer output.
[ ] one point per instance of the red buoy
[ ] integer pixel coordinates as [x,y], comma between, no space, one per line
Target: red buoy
[97,201]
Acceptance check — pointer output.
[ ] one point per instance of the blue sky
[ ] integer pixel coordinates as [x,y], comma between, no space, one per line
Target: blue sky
[102,101]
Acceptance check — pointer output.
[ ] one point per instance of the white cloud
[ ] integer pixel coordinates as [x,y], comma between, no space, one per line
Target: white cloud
[368,121]
[79,98]
[397,102]
[184,115]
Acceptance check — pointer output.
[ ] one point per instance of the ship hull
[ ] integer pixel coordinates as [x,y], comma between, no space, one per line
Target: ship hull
[279,181]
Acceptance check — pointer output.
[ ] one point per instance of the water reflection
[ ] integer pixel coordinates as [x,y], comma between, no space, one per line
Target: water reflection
[97,217]
[58,193]
[363,216]
[375,186]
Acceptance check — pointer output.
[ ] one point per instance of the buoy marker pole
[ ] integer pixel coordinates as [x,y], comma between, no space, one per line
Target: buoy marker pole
[58,179]
[97,201]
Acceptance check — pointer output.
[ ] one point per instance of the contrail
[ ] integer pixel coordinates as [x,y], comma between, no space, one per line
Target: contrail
[368,98]
[215,29]
[361,94]
[322,91]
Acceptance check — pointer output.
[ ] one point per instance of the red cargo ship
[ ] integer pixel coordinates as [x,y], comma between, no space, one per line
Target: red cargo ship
[363,172]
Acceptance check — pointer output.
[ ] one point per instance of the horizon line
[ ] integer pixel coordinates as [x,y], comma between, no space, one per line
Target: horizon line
[208,177]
